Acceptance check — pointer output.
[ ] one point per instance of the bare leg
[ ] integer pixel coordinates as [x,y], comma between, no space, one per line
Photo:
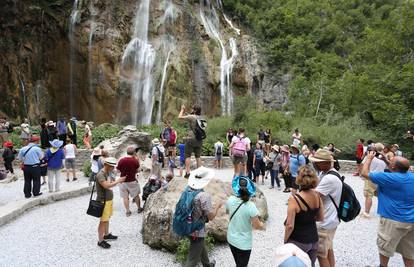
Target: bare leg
[187,164]
[236,170]
[107,228]
[138,202]
[323,262]
[384,261]
[126,204]
[198,160]
[331,258]
[368,204]
[74,172]
[408,263]
[101,230]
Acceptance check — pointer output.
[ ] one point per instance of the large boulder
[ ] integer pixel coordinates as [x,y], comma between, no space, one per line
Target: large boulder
[159,209]
[128,136]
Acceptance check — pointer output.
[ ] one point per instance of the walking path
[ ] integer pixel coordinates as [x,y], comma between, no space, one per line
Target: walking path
[62,234]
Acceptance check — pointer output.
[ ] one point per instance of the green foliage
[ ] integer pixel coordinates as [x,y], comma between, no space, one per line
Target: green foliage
[184,245]
[99,133]
[86,168]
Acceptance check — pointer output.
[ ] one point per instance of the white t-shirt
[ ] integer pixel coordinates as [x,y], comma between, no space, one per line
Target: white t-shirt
[70,151]
[155,152]
[330,185]
[88,130]
[377,165]
[246,139]
[216,146]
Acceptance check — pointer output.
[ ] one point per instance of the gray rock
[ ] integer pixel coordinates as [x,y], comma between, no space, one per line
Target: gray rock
[159,209]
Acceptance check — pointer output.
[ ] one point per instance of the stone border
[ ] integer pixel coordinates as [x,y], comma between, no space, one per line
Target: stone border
[12,210]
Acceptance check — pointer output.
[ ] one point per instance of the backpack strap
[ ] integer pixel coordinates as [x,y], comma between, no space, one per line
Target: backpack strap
[231,217]
[333,201]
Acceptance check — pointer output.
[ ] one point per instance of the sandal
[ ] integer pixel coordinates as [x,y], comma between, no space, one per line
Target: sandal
[128,213]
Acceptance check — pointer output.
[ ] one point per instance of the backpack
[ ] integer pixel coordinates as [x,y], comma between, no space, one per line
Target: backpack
[10,128]
[173,137]
[183,223]
[150,187]
[166,134]
[200,129]
[349,207]
[239,148]
[219,150]
[160,156]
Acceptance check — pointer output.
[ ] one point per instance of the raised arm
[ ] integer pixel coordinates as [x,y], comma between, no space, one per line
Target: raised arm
[367,164]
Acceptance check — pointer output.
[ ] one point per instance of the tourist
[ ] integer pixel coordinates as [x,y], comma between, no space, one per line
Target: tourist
[105,195]
[333,149]
[295,162]
[218,154]
[244,216]
[30,156]
[330,187]
[51,131]
[157,156]
[258,163]
[54,156]
[202,209]
[129,167]
[285,163]
[268,140]
[275,159]
[370,189]
[44,139]
[192,145]
[172,152]
[62,130]
[25,130]
[388,153]
[72,131]
[396,149]
[395,207]
[70,159]
[165,181]
[261,136]
[102,157]
[239,146]
[181,149]
[249,165]
[87,136]
[4,130]
[359,155]
[304,209]
[43,169]
[229,136]
[96,154]
[9,155]
[153,185]
[297,138]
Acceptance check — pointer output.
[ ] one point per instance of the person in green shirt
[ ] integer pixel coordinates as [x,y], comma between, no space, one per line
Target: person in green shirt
[244,216]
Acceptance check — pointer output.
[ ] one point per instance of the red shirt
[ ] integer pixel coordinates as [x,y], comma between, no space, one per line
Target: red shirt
[360,151]
[128,166]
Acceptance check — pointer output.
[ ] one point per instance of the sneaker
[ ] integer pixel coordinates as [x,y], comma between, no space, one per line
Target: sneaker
[213,263]
[187,174]
[271,187]
[38,194]
[365,215]
[74,179]
[67,180]
[110,236]
[104,244]
[355,174]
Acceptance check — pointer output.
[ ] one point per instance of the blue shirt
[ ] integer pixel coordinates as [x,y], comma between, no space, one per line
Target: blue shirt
[54,161]
[181,147]
[239,232]
[61,127]
[259,154]
[395,195]
[33,156]
[295,162]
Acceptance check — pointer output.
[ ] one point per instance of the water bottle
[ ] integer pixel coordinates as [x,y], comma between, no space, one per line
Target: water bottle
[345,209]
[189,219]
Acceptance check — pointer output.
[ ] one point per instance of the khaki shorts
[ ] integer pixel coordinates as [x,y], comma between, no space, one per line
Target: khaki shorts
[107,212]
[395,236]
[325,241]
[132,189]
[238,160]
[370,189]
[193,146]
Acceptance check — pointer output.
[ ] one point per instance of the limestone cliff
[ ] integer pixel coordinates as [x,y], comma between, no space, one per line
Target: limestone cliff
[108,61]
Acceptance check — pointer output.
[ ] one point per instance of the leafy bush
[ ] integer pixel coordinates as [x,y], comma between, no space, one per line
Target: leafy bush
[184,245]
[99,133]
[86,168]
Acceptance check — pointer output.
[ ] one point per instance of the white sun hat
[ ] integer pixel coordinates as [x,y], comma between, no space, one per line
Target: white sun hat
[200,177]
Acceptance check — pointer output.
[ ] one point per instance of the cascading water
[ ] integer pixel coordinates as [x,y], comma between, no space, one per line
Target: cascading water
[91,85]
[164,74]
[24,96]
[137,63]
[72,23]
[237,30]
[211,24]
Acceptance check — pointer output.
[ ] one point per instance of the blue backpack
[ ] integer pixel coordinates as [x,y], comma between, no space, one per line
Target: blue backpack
[183,223]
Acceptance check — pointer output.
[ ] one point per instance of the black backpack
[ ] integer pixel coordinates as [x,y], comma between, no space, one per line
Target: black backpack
[219,150]
[349,207]
[200,129]
[160,157]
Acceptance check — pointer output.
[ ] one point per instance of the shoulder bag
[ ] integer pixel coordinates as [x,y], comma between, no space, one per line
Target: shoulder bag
[96,208]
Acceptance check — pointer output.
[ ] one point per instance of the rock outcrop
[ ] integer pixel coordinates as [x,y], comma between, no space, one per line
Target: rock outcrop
[159,209]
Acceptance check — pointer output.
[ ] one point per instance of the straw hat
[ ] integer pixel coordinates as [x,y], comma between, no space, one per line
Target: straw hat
[276,148]
[155,141]
[295,146]
[396,145]
[289,255]
[379,147]
[200,177]
[284,148]
[111,161]
[321,155]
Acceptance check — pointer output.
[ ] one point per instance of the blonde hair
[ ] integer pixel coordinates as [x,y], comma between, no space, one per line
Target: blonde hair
[307,178]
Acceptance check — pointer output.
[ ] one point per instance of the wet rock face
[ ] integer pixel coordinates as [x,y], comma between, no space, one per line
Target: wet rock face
[37,60]
[159,211]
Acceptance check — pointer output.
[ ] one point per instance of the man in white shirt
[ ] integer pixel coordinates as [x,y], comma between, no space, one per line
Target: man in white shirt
[157,155]
[218,153]
[330,187]
[370,189]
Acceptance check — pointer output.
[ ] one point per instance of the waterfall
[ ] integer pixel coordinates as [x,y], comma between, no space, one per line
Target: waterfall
[137,64]
[91,84]
[24,96]
[72,23]
[164,74]
[237,30]
[211,24]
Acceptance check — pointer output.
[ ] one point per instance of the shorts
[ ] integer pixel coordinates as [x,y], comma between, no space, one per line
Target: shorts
[193,146]
[107,212]
[219,157]
[370,189]
[310,248]
[325,241]
[395,236]
[358,160]
[238,160]
[132,189]
[70,163]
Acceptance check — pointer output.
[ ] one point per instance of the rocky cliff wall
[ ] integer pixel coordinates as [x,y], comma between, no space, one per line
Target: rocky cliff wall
[69,58]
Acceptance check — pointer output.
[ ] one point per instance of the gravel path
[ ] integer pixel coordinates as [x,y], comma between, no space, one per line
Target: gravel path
[62,234]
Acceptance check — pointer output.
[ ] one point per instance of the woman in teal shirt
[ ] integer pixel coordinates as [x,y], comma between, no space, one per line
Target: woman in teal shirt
[244,216]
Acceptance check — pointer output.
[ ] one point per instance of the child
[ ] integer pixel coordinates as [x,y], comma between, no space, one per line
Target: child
[9,154]
[43,170]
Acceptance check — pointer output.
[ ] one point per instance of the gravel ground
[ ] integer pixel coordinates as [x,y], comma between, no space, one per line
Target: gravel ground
[62,234]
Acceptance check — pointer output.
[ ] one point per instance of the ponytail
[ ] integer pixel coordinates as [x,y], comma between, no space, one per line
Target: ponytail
[244,194]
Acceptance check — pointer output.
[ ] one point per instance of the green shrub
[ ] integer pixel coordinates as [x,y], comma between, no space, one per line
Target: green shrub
[86,168]
[184,245]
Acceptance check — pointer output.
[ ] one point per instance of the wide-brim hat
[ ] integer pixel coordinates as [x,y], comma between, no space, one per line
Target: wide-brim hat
[34,138]
[56,143]
[8,144]
[200,177]
[155,141]
[276,147]
[396,145]
[236,185]
[290,255]
[322,155]
[379,147]
[284,148]
[96,152]
[295,146]
[111,161]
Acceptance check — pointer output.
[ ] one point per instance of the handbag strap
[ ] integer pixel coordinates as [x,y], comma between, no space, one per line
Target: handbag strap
[236,211]
[93,187]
